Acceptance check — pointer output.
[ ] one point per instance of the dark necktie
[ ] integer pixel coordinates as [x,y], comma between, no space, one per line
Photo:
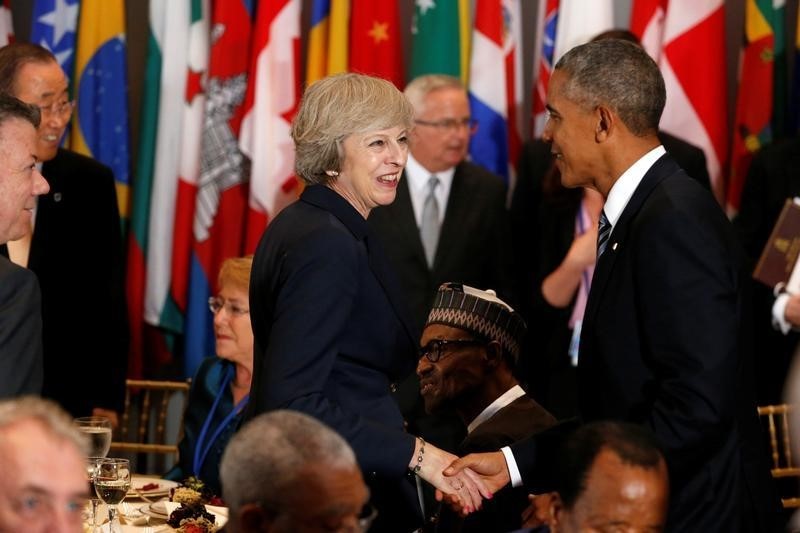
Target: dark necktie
[603,233]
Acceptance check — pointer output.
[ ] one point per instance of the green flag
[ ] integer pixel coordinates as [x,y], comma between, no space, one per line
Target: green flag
[435,38]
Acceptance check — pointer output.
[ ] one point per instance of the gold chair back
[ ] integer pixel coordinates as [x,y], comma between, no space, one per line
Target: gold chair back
[783,462]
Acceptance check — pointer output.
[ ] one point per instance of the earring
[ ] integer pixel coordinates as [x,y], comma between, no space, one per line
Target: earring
[331,173]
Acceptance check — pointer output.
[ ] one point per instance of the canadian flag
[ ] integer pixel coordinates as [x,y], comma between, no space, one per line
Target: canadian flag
[271,103]
[692,60]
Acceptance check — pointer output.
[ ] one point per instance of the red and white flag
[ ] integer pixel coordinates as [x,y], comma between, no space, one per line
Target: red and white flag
[270,104]
[647,22]
[696,110]
[6,23]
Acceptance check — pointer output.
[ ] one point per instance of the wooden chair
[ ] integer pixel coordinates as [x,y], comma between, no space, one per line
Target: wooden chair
[143,428]
[783,465]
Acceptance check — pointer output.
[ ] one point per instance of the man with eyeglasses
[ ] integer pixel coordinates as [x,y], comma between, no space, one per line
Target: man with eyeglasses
[469,349]
[74,246]
[447,223]
[286,472]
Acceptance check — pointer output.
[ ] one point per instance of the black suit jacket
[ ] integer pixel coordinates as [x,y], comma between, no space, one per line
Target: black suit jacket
[76,253]
[662,345]
[332,334]
[20,331]
[774,176]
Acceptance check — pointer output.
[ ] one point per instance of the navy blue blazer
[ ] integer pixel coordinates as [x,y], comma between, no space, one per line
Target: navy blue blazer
[20,331]
[331,331]
[663,345]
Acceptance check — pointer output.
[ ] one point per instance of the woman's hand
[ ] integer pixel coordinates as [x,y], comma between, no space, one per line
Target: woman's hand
[463,490]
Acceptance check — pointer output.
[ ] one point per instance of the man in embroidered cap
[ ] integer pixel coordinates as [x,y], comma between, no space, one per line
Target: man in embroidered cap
[469,349]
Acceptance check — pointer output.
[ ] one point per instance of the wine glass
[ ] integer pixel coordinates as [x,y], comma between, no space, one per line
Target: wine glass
[112,481]
[91,471]
[98,430]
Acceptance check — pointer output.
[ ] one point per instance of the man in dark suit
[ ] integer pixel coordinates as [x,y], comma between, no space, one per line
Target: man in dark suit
[75,249]
[456,232]
[20,300]
[774,176]
[660,343]
[470,346]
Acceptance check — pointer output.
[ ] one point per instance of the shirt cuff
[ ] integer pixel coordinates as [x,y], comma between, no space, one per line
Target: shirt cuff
[779,313]
[511,463]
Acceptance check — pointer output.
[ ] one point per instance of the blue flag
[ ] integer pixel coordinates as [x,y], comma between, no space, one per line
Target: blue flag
[53,26]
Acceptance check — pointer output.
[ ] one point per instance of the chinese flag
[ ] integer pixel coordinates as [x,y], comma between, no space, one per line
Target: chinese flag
[375,46]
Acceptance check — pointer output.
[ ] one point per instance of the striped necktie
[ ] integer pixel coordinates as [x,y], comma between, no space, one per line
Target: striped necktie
[603,233]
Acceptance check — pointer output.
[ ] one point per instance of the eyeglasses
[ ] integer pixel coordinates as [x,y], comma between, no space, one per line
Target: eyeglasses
[434,350]
[450,124]
[58,108]
[216,305]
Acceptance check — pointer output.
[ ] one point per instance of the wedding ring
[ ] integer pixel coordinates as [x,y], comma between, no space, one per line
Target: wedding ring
[457,484]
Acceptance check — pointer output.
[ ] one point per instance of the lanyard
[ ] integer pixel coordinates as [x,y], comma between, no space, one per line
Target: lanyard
[200,451]
[581,217]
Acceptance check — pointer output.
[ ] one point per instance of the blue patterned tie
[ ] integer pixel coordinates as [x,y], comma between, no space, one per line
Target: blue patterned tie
[603,233]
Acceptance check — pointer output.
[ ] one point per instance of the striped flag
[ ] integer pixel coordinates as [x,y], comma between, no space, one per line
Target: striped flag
[328,39]
[438,42]
[221,198]
[53,26]
[160,309]
[753,127]
[142,187]
[544,61]
[647,23]
[375,46]
[696,109]
[270,104]
[100,127]
[493,87]
[6,23]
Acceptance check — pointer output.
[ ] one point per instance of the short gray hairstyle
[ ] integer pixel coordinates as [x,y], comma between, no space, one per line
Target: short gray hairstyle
[262,461]
[55,421]
[336,107]
[620,75]
[421,86]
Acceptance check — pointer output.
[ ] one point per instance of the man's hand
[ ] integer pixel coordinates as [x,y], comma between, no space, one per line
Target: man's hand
[538,512]
[488,468]
[465,490]
[792,311]
[111,415]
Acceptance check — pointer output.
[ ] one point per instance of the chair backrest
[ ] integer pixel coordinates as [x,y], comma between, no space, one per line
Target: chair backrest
[144,421]
[783,465]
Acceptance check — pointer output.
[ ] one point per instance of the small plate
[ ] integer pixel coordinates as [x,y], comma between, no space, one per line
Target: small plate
[138,482]
[155,510]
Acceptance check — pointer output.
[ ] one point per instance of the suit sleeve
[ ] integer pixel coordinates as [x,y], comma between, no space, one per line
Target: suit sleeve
[319,280]
[20,332]
[688,291]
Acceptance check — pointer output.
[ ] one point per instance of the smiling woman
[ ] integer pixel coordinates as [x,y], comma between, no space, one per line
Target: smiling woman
[331,328]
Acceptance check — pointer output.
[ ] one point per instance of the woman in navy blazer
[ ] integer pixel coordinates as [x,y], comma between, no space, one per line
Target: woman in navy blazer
[332,334]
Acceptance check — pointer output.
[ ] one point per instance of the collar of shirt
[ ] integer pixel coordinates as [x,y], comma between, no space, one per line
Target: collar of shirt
[504,399]
[417,177]
[623,188]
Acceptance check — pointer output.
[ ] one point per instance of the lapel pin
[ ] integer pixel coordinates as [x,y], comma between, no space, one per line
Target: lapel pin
[57,197]
[614,246]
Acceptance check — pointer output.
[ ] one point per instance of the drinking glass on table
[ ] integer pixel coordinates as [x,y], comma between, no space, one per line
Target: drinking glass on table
[112,480]
[91,471]
[98,430]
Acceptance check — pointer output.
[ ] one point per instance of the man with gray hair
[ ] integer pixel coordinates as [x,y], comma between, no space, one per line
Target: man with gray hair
[43,484]
[663,342]
[285,471]
[20,298]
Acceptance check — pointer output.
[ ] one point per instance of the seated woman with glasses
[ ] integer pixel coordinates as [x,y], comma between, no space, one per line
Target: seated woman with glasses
[220,389]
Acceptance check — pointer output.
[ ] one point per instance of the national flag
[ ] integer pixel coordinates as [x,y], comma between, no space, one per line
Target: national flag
[647,23]
[696,109]
[6,24]
[142,187]
[327,39]
[160,308]
[753,127]
[100,125]
[220,210]
[543,62]
[437,39]
[270,104]
[375,46]
[793,126]
[53,26]
[579,22]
